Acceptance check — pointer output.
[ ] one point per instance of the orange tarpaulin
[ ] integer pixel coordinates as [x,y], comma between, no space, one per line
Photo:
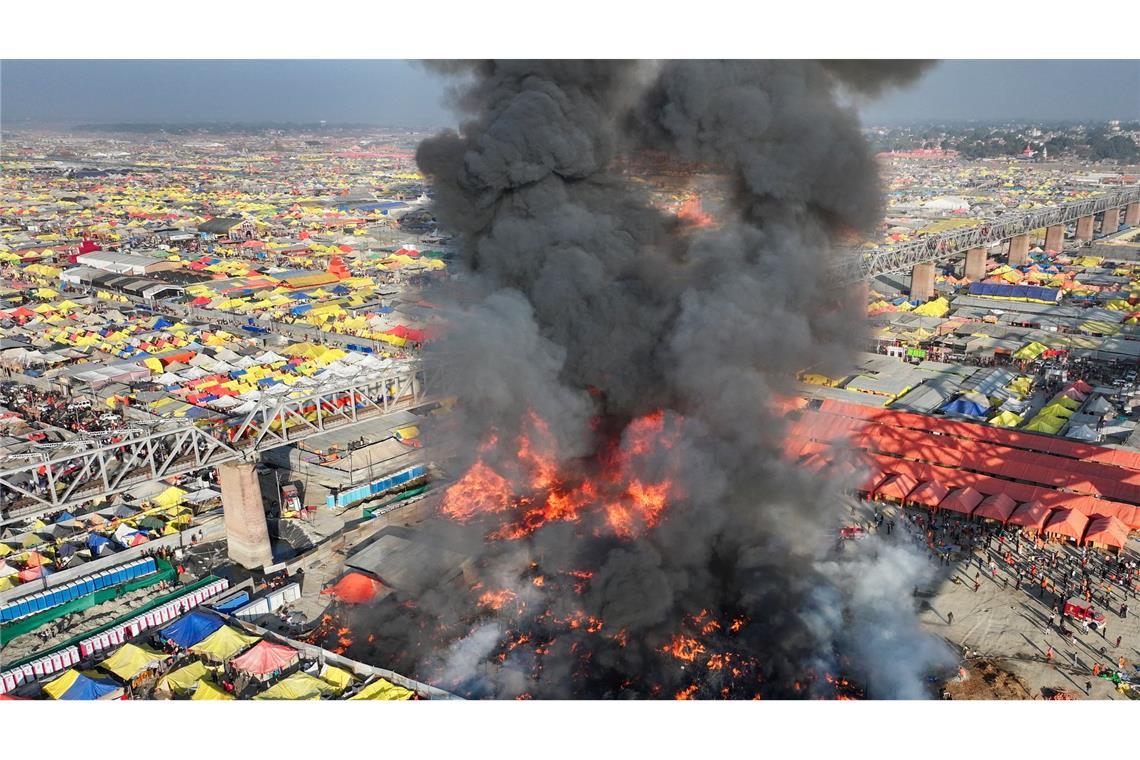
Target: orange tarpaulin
[356,588]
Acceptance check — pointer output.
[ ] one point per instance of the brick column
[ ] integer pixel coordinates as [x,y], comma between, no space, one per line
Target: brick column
[976,264]
[1055,238]
[1111,221]
[922,282]
[247,532]
[1019,250]
[1085,228]
[1132,214]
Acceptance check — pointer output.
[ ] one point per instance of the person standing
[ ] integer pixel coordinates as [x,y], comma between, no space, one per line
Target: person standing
[949,618]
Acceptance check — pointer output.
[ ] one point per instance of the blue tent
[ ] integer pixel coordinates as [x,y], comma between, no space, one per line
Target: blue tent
[89,688]
[160,323]
[189,630]
[97,543]
[966,407]
[64,517]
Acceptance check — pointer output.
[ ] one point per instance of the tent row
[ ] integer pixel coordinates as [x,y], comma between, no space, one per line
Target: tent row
[114,636]
[1104,531]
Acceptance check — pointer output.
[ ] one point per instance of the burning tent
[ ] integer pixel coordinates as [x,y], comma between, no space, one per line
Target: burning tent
[356,588]
[623,490]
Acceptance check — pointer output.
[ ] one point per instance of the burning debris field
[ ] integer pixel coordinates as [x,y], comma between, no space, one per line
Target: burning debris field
[633,525]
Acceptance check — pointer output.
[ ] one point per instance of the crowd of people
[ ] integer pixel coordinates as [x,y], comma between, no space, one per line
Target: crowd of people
[1052,573]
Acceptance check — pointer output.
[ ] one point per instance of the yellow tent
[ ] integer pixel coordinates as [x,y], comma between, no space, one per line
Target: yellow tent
[207,690]
[1069,403]
[1029,351]
[383,689]
[338,678]
[171,497]
[129,660]
[1056,410]
[936,308]
[298,686]
[224,643]
[1048,425]
[1006,419]
[184,679]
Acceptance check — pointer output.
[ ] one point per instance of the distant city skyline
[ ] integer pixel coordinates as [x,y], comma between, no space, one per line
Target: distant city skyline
[400,93]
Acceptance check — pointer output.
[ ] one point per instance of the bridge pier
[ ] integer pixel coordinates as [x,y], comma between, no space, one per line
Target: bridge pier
[1111,221]
[922,282]
[1085,228]
[247,531]
[1055,238]
[1019,250]
[1132,214]
[976,264]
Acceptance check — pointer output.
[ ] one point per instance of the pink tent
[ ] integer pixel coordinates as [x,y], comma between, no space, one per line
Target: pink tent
[264,658]
[962,500]
[996,507]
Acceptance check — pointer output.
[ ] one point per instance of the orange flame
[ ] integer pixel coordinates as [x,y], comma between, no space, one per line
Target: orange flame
[687,692]
[684,648]
[480,490]
[497,599]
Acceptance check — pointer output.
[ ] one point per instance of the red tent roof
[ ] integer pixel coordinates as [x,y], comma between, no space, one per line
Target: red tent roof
[355,588]
[929,494]
[896,486]
[961,500]
[265,657]
[1030,515]
[1067,522]
[996,507]
[1107,531]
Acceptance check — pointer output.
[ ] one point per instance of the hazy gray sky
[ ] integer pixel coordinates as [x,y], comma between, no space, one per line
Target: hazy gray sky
[400,93]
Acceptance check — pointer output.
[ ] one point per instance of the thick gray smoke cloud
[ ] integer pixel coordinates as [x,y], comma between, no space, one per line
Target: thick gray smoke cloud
[583,302]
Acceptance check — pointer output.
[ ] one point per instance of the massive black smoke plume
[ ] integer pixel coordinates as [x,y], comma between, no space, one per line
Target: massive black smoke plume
[588,307]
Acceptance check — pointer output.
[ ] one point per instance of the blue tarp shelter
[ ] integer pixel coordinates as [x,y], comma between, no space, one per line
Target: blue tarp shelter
[86,687]
[965,406]
[189,630]
[1032,292]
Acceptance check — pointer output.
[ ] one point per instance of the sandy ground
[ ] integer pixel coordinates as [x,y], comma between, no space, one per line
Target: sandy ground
[1012,628]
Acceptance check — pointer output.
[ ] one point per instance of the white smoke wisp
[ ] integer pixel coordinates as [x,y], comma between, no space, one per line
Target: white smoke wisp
[881,630]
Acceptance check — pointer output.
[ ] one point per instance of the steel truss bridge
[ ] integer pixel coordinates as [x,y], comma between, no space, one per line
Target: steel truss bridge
[859,266]
[88,468]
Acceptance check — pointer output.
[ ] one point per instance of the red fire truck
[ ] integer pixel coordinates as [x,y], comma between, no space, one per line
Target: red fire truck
[1080,610]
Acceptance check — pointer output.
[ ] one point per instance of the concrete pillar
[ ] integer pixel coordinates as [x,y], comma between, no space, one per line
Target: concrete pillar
[247,532]
[922,282]
[1132,214]
[1111,221]
[1085,228]
[1019,250]
[976,264]
[1055,238]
